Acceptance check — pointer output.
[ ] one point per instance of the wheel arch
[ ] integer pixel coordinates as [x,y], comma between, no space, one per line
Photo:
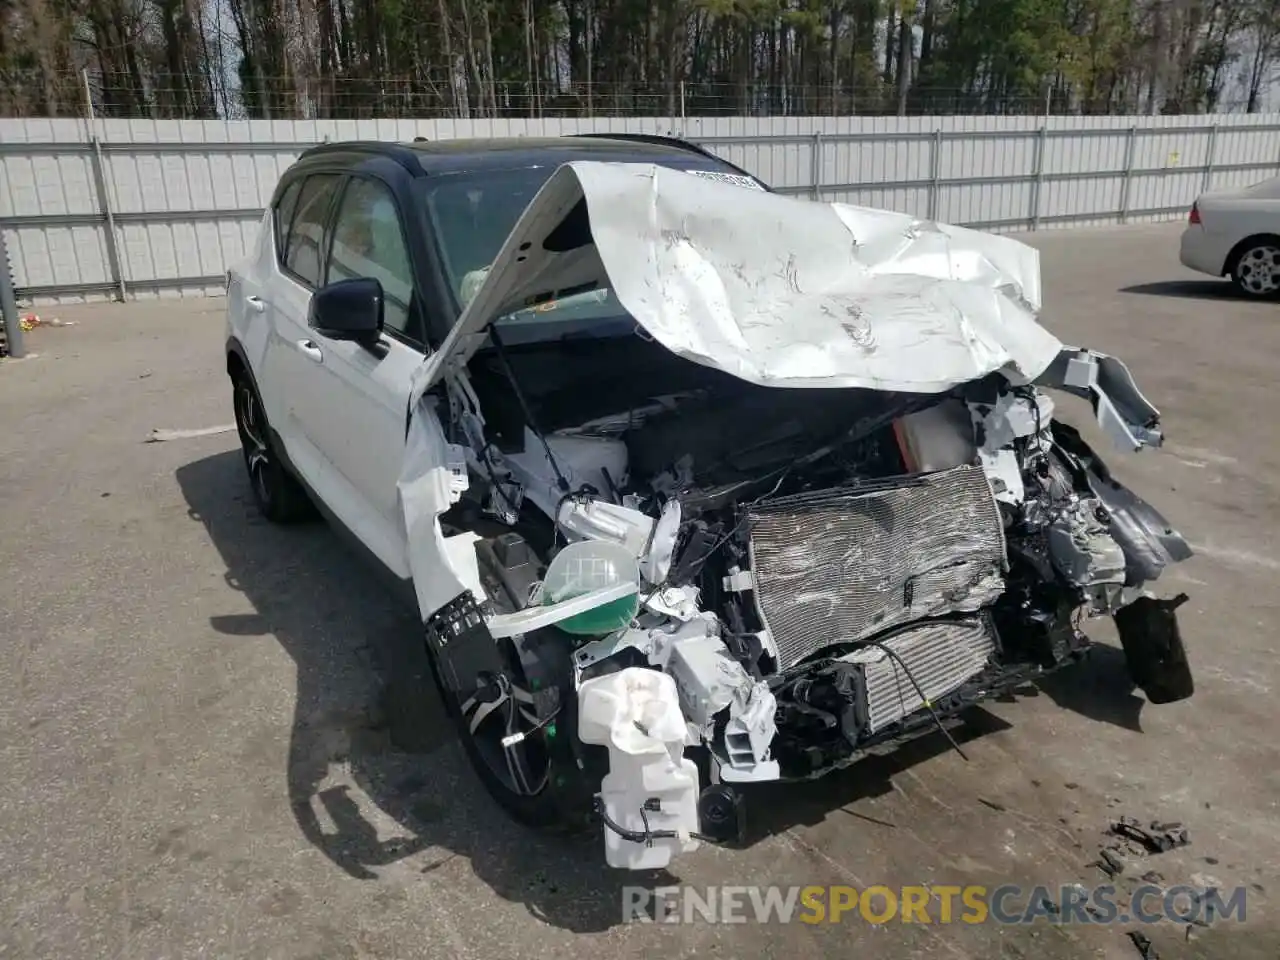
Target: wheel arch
[237,360]
[1229,265]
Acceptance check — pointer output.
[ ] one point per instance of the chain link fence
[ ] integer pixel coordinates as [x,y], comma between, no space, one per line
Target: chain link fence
[138,208]
[178,97]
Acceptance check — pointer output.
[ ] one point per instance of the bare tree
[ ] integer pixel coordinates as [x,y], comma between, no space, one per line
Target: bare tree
[284,58]
[1263,31]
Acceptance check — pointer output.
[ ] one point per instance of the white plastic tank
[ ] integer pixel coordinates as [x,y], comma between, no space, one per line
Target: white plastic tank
[635,713]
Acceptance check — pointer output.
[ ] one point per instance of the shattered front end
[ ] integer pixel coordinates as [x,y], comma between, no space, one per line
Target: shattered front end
[765,531]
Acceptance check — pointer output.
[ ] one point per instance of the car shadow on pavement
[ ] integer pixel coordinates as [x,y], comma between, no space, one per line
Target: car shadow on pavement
[376,777]
[1187,289]
[774,808]
[1099,688]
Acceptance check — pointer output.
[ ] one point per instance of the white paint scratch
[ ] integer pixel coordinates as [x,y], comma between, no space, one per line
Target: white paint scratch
[160,436]
[1204,456]
[1247,682]
[1239,557]
[798,841]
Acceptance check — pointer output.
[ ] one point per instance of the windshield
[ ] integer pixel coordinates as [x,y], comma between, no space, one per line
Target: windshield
[473,214]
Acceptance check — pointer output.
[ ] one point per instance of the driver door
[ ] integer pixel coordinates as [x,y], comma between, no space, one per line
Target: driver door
[359,414]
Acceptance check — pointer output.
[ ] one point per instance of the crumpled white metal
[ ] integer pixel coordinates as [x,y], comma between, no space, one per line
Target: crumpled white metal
[777,291]
[780,292]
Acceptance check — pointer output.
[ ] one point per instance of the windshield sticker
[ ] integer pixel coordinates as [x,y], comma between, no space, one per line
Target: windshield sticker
[598,295]
[737,179]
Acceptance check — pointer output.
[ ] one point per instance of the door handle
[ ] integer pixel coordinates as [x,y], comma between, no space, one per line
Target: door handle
[310,350]
[256,304]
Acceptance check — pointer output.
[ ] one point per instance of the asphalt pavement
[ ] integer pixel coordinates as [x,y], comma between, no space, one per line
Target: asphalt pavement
[218,738]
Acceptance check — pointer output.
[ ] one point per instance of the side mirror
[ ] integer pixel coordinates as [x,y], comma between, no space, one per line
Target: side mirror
[348,310]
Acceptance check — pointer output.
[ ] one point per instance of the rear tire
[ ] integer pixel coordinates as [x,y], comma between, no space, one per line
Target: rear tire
[277,493]
[1255,267]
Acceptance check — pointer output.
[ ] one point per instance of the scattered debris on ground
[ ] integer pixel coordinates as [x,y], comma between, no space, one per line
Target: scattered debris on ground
[1144,946]
[1136,842]
[29,321]
[160,436]
[1157,838]
[1123,855]
[1109,863]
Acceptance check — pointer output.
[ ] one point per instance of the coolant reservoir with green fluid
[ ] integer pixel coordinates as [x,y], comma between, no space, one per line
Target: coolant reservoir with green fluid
[592,570]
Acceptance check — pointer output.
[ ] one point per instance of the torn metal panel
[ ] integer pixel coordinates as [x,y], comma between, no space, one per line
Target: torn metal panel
[1086,555]
[1004,473]
[707,677]
[442,567]
[1150,543]
[775,291]
[1126,416]
[1013,415]
[581,459]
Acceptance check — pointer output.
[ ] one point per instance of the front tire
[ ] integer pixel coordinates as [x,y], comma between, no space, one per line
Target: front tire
[1255,267]
[545,782]
[278,495]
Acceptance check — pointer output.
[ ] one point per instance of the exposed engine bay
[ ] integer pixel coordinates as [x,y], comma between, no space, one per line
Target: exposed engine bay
[677,580]
[813,586]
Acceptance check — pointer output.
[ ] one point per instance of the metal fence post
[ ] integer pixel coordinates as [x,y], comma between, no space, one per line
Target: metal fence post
[9,306]
[815,171]
[1130,149]
[1208,166]
[1037,188]
[100,186]
[935,173]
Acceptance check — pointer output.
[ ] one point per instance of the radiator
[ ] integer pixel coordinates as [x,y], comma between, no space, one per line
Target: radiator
[940,655]
[841,565]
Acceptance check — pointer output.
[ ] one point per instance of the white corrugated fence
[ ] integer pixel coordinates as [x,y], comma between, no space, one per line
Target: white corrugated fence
[142,208]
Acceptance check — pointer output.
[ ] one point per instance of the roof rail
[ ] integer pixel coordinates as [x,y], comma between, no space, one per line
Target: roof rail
[398,152]
[657,138]
[668,141]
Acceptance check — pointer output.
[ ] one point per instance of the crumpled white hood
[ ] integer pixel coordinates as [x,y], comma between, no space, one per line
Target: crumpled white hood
[778,291]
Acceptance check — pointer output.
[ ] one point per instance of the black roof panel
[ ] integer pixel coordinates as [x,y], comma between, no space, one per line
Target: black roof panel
[511,153]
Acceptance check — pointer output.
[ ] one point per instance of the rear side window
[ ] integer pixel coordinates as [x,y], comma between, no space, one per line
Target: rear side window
[283,215]
[304,252]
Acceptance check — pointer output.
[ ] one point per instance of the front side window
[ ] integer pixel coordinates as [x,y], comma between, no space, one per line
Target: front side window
[368,242]
[306,235]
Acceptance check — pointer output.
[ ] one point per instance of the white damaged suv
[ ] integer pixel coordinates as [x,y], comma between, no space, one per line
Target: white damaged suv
[694,485]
